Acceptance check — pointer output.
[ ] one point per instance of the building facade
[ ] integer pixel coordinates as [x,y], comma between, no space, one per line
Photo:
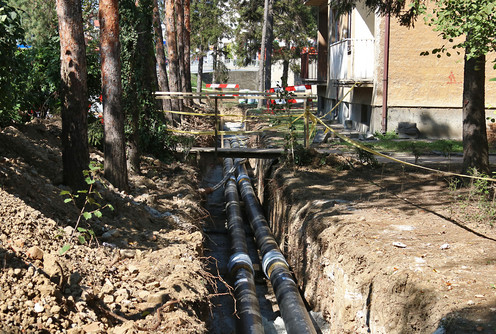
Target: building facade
[374,65]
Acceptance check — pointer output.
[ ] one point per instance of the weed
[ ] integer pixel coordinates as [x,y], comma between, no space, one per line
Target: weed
[90,199]
[477,204]
[366,157]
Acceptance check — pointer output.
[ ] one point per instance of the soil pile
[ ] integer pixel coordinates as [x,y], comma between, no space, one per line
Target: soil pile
[144,273]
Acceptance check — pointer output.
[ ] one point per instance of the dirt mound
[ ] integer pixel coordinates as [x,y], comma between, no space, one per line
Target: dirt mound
[143,273]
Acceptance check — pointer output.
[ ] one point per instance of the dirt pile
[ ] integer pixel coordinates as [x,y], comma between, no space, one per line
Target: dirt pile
[145,271]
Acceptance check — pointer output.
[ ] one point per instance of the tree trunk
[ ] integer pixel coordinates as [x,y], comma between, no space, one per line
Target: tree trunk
[172,53]
[199,82]
[74,94]
[263,52]
[163,80]
[187,51]
[214,63]
[145,81]
[180,43]
[269,37]
[285,71]
[113,116]
[475,146]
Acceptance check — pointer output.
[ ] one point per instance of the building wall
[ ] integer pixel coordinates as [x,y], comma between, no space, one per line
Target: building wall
[426,90]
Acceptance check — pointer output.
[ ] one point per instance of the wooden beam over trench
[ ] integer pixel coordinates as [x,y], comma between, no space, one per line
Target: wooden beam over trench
[260,153]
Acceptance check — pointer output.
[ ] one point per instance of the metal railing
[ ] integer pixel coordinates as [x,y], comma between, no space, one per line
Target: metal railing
[352,59]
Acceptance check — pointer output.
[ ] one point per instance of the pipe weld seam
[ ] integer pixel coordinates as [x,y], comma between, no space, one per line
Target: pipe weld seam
[240,260]
[243,177]
[270,258]
[228,204]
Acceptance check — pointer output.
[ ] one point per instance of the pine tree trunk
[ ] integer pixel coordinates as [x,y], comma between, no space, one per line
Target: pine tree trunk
[475,146]
[268,46]
[163,80]
[172,53]
[180,43]
[263,53]
[187,47]
[199,81]
[113,116]
[285,71]
[214,63]
[74,96]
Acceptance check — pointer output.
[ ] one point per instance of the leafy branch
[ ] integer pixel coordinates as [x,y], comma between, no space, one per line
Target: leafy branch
[90,199]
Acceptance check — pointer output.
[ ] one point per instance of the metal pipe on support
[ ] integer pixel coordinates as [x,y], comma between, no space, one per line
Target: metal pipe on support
[240,265]
[293,311]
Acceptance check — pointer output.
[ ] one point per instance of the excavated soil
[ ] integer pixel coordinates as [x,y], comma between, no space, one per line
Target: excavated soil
[145,271]
[386,249]
[381,250]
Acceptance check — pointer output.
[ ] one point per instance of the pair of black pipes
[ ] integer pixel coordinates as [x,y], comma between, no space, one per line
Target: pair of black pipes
[293,311]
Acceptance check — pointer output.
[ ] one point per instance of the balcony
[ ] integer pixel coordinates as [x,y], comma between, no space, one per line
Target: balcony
[311,73]
[352,60]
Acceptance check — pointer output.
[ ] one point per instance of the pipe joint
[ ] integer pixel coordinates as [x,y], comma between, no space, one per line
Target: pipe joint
[243,177]
[240,260]
[271,258]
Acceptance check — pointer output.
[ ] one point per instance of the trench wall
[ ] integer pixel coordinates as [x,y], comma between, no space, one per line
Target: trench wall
[336,276]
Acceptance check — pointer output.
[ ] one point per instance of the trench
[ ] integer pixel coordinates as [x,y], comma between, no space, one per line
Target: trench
[224,316]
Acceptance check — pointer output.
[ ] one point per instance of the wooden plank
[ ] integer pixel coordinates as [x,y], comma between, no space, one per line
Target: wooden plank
[262,153]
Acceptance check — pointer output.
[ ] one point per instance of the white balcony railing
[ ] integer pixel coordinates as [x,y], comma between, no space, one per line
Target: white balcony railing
[352,59]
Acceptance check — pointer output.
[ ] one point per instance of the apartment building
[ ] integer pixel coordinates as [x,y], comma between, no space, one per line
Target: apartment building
[375,66]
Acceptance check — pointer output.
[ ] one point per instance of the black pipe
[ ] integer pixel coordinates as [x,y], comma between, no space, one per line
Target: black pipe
[240,265]
[293,311]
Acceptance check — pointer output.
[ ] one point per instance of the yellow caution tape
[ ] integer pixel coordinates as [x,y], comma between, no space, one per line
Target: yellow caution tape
[211,132]
[342,99]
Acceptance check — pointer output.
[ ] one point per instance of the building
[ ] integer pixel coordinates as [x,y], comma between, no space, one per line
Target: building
[380,61]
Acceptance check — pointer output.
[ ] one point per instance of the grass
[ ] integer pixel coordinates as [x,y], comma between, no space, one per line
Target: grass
[444,146]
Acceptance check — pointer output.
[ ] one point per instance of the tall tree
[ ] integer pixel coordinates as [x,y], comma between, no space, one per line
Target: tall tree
[114,143]
[265,49]
[39,20]
[75,152]
[141,76]
[180,43]
[187,45]
[476,21]
[208,20]
[248,32]
[295,27]
[163,80]
[170,24]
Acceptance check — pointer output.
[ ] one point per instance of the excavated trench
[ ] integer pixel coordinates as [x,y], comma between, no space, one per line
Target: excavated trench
[230,315]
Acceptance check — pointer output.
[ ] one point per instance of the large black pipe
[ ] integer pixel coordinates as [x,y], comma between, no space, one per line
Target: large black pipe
[240,265]
[293,310]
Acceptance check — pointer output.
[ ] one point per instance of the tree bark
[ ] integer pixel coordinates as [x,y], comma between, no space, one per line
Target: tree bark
[180,43]
[172,53]
[74,94]
[163,80]
[269,37]
[187,47]
[285,71]
[475,146]
[199,81]
[214,62]
[113,116]
[263,52]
